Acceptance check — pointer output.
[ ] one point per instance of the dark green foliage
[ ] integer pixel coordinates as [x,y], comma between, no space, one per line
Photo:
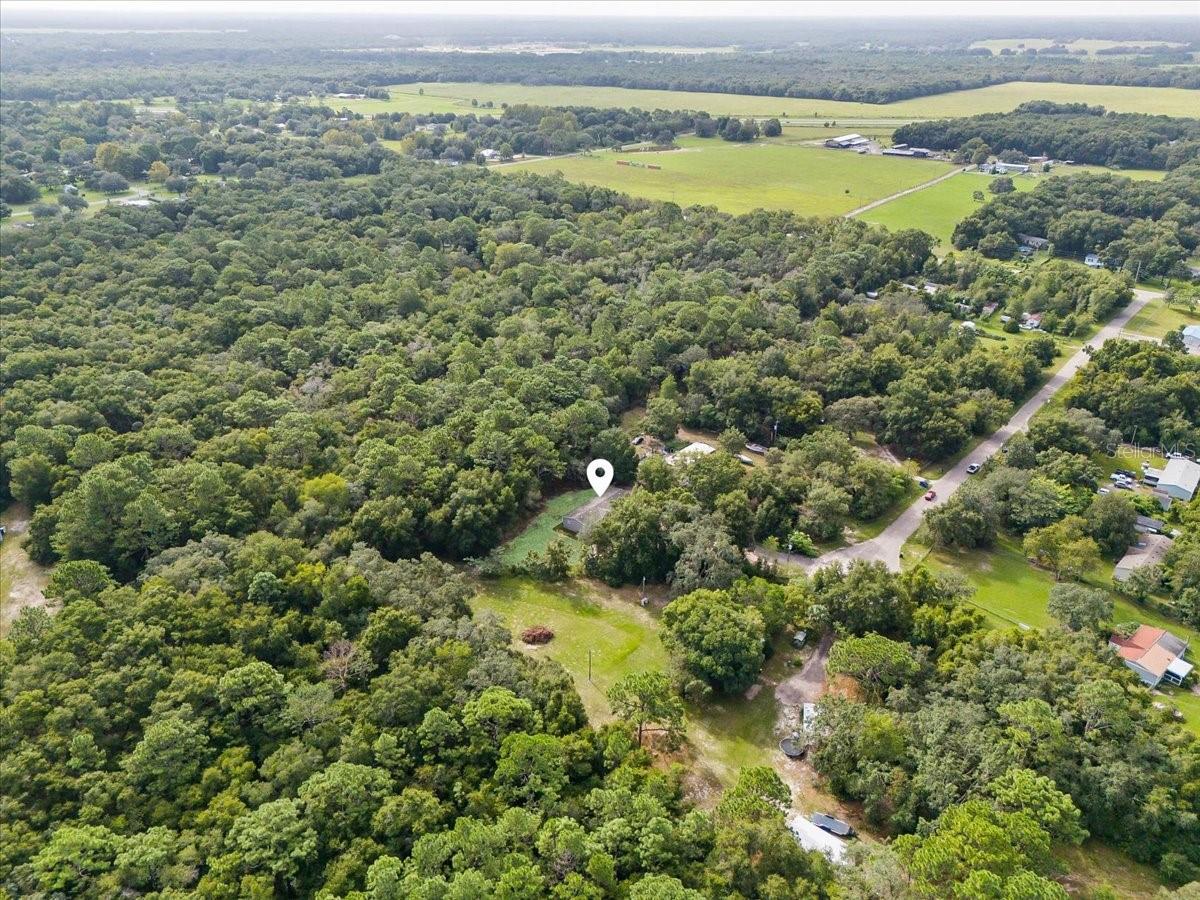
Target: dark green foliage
[1132,225]
[1085,134]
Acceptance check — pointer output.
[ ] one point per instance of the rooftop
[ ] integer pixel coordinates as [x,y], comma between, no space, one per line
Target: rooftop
[1149,551]
[1154,649]
[1183,473]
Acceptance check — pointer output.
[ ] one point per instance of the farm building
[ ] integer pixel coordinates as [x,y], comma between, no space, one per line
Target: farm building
[1033,241]
[1149,551]
[1003,168]
[1177,480]
[912,152]
[847,142]
[1093,261]
[1153,654]
[1191,338]
[580,519]
[489,153]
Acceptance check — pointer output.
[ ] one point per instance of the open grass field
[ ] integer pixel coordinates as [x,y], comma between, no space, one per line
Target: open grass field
[457,97]
[621,636]
[1157,318]
[740,177]
[937,209]
[538,534]
[728,733]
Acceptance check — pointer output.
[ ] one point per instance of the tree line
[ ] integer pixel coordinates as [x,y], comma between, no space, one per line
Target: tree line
[1067,131]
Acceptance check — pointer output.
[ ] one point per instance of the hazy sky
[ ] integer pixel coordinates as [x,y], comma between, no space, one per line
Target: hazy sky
[1022,9]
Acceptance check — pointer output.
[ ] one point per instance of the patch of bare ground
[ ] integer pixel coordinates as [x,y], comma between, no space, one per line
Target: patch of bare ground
[22,581]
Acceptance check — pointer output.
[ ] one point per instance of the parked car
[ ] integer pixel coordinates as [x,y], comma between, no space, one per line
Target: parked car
[931,495]
[1125,485]
[1116,476]
[1104,491]
[1126,473]
[923,482]
[972,468]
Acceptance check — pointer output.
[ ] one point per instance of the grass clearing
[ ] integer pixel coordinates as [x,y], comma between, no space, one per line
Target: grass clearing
[620,636]
[727,733]
[1156,318]
[424,97]
[538,534]
[1094,864]
[938,208]
[740,177]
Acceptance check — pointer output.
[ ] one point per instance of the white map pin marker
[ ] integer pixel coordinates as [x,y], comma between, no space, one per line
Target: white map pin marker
[600,474]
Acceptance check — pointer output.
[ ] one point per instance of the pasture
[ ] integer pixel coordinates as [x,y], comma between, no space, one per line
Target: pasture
[457,96]
[740,177]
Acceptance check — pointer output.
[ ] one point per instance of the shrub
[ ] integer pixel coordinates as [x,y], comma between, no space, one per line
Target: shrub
[537,634]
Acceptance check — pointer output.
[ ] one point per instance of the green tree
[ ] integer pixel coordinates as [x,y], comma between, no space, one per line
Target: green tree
[715,640]
[874,661]
[1080,608]
[647,701]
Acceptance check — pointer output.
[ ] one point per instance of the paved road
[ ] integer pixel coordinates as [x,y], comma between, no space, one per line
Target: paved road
[911,190]
[886,546]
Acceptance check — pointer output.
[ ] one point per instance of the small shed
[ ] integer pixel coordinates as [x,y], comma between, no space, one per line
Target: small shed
[589,514]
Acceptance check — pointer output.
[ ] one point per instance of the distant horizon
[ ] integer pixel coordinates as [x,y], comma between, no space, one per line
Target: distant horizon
[614,10]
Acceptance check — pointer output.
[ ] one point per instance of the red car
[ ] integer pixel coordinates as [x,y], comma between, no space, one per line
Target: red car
[931,495]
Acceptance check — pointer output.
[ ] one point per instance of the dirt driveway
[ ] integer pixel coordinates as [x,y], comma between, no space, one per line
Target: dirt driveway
[808,683]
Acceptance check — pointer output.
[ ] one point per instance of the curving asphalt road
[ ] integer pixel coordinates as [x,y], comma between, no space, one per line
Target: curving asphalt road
[886,546]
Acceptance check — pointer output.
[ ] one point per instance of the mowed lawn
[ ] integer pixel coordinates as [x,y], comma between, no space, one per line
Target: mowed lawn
[740,177]
[620,635]
[1157,318]
[457,96]
[938,208]
[537,535]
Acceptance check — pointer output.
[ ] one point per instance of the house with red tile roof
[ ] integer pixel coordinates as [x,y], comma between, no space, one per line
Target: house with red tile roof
[1154,654]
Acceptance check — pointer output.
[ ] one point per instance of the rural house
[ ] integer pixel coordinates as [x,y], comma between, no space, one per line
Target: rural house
[1153,654]
[1149,551]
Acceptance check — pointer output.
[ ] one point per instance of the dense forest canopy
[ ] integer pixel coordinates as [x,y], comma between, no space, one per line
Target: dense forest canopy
[1074,131]
[219,64]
